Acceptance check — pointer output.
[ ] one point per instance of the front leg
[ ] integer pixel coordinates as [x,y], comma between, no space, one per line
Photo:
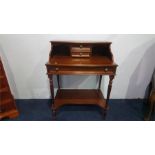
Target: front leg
[100,80]
[51,87]
[111,77]
[58,81]
[52,95]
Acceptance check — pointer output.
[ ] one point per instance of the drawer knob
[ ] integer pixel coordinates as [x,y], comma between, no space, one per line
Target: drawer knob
[81,46]
[106,69]
[56,69]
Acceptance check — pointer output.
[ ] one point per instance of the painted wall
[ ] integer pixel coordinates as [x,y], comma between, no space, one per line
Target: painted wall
[24,58]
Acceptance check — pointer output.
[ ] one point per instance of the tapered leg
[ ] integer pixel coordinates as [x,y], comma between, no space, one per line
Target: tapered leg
[111,77]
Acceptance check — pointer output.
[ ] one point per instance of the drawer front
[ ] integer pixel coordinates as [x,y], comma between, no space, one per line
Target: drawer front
[81,70]
[80,51]
[80,54]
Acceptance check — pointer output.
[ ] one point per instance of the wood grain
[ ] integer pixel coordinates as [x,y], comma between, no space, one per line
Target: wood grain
[7,103]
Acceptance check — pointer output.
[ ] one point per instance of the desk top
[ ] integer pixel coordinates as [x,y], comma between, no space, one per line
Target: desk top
[79,42]
[69,61]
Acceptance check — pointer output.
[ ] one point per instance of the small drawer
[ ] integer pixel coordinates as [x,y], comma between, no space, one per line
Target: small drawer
[80,54]
[80,51]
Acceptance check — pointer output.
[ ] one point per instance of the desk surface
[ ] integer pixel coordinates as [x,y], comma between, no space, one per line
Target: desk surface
[69,61]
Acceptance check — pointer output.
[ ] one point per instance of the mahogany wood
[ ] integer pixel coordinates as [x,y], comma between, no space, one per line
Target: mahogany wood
[111,77]
[7,103]
[80,58]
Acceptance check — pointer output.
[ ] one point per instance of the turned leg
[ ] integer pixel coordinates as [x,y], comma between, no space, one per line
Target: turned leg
[52,94]
[99,87]
[58,80]
[100,80]
[51,87]
[111,77]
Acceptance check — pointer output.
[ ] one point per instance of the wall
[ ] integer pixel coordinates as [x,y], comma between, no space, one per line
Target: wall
[24,57]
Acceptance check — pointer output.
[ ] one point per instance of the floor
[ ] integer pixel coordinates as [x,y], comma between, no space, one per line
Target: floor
[120,110]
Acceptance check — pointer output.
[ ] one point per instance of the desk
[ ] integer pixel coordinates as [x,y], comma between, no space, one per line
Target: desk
[80,58]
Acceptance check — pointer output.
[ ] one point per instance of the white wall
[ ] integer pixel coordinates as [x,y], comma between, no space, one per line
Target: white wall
[24,57]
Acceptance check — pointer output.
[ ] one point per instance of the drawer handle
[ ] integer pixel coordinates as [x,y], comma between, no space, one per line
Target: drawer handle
[106,69]
[56,69]
[81,46]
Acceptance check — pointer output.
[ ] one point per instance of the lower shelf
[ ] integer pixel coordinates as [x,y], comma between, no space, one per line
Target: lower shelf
[79,96]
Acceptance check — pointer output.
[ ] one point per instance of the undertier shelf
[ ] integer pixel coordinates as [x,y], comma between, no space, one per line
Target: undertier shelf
[79,96]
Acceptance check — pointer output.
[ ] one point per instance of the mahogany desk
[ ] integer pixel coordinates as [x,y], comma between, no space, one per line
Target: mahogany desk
[80,58]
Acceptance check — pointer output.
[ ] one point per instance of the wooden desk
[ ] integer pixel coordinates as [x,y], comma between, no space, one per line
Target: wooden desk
[80,58]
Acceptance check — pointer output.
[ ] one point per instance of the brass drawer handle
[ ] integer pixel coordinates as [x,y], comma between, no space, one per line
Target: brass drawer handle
[106,69]
[57,69]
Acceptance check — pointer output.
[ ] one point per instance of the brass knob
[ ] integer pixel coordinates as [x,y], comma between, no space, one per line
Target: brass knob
[81,46]
[106,69]
[56,69]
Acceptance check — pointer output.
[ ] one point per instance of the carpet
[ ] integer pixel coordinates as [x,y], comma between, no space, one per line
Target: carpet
[120,110]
